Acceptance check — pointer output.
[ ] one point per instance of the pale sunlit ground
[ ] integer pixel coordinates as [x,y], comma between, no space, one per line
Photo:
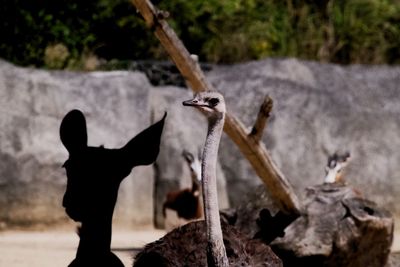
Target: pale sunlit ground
[56,248]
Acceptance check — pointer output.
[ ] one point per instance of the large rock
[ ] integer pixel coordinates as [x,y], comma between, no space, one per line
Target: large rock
[337,228]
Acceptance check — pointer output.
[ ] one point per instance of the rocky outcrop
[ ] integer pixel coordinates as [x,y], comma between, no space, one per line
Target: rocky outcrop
[337,228]
[317,107]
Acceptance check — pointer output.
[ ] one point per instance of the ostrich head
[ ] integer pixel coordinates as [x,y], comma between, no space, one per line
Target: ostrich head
[336,163]
[194,164]
[211,104]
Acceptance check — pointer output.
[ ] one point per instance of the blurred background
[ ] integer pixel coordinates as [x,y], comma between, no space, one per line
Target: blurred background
[331,67]
[67,34]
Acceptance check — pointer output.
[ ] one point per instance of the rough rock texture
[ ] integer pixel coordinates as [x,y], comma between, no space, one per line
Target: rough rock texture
[338,228]
[317,107]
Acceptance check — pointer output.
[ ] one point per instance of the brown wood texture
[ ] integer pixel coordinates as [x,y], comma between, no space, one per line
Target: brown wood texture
[254,151]
[262,117]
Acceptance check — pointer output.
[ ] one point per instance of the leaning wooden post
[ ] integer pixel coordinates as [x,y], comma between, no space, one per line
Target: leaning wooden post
[249,145]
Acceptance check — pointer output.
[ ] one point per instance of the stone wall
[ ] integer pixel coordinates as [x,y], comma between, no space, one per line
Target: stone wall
[117,105]
[317,107]
[32,104]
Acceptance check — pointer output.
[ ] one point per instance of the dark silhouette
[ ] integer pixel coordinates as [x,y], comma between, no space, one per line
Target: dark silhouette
[94,175]
[272,226]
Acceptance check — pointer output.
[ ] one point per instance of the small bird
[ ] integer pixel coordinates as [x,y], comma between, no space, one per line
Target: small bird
[334,169]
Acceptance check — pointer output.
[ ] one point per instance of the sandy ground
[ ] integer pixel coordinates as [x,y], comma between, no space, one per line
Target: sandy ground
[56,248]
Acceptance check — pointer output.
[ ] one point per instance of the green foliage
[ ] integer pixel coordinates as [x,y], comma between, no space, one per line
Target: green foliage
[343,31]
[108,28]
[368,31]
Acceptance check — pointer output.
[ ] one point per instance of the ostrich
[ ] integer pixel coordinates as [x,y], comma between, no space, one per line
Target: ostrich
[336,163]
[186,202]
[93,178]
[204,243]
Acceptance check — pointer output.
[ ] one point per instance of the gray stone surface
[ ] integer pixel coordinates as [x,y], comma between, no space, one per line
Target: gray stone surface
[32,104]
[117,106]
[338,228]
[316,106]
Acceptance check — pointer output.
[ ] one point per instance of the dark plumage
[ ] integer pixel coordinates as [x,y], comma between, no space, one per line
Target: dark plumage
[185,202]
[186,246]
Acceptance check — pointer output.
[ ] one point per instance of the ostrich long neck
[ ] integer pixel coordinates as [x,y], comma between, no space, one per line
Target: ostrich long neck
[216,254]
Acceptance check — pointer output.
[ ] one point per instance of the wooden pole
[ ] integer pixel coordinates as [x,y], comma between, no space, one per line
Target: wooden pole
[249,145]
[261,121]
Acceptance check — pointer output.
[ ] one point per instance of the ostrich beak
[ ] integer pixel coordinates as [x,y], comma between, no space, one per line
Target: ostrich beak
[191,103]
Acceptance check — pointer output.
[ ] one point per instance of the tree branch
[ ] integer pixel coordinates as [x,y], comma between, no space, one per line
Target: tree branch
[254,151]
[261,121]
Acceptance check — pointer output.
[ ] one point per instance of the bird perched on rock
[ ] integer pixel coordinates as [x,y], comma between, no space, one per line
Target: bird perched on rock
[334,168]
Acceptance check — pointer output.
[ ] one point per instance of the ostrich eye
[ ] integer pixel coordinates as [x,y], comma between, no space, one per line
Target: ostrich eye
[213,102]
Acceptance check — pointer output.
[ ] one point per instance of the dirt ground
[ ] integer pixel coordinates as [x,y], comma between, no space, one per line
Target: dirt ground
[56,248]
